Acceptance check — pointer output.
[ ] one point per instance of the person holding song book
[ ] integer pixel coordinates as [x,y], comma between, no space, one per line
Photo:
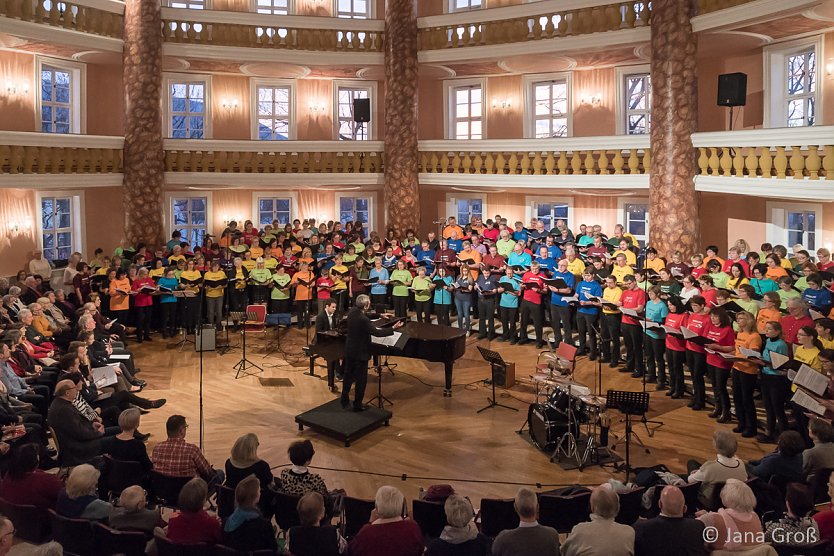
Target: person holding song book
[487,287]
[168,303]
[143,288]
[633,302]
[401,280]
[510,288]
[656,312]
[611,322]
[532,287]
[745,374]
[280,294]
[722,340]
[303,281]
[696,356]
[675,345]
[560,310]
[442,287]
[421,286]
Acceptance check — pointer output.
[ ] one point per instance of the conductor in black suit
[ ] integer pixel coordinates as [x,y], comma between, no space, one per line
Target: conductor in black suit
[358,351]
[325,322]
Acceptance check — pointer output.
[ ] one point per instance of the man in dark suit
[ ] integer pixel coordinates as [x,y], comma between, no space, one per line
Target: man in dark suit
[325,322]
[670,532]
[79,439]
[358,351]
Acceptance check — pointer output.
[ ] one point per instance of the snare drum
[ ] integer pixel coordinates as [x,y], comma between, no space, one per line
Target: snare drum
[590,408]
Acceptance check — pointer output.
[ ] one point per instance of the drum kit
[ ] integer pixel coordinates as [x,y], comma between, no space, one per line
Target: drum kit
[568,416]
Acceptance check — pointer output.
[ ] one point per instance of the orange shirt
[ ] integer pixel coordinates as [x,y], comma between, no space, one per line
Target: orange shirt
[302,292]
[472,254]
[708,259]
[749,340]
[765,316]
[447,231]
[775,273]
[119,301]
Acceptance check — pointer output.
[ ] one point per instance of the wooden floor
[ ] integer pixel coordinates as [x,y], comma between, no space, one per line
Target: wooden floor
[431,439]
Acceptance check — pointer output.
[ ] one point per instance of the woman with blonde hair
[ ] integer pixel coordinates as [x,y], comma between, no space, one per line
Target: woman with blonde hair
[736,525]
[79,498]
[244,461]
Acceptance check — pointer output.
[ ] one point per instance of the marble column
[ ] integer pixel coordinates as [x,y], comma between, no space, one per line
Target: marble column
[144,158]
[402,195]
[673,202]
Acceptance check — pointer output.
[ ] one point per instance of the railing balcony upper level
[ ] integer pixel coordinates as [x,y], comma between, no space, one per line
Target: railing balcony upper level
[48,153]
[104,19]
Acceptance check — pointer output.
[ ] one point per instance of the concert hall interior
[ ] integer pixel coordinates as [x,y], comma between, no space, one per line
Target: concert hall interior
[529,226]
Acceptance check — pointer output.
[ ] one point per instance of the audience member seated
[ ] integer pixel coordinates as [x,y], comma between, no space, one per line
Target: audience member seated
[460,537]
[79,438]
[192,523]
[79,498]
[311,538]
[670,532]
[26,484]
[390,531]
[177,458]
[825,517]
[736,525]
[36,394]
[133,513]
[298,480]
[795,527]
[529,537]
[718,471]
[6,535]
[125,446]
[246,529]
[244,461]
[821,455]
[785,461]
[602,536]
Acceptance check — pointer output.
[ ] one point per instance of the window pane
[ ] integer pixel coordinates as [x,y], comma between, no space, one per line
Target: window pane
[265,205]
[265,218]
[282,205]
[198,203]
[346,204]
[65,239]
[362,204]
[560,211]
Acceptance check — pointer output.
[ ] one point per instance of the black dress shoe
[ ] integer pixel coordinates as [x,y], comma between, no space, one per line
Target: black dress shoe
[523,341]
[737,429]
[725,418]
[677,396]
[749,434]
[593,356]
[363,407]
[539,345]
[139,382]
[143,411]
[614,364]
[142,437]
[638,374]
[156,404]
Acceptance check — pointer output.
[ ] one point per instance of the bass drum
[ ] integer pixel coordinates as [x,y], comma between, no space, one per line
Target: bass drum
[547,425]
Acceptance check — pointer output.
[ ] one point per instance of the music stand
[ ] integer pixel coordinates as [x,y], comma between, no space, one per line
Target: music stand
[244,366]
[629,404]
[379,398]
[235,317]
[495,362]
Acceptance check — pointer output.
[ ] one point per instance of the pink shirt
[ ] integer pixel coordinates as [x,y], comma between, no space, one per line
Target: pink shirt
[143,299]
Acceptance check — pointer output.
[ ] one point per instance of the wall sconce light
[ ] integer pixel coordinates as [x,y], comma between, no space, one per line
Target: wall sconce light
[593,100]
[230,103]
[17,227]
[503,104]
[829,68]
[237,218]
[316,107]
[13,89]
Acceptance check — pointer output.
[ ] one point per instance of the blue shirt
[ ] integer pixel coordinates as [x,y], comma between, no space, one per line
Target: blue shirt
[171,284]
[382,275]
[570,280]
[508,299]
[443,296]
[427,255]
[15,386]
[455,245]
[656,311]
[549,263]
[486,284]
[776,346]
[586,290]
[818,299]
[554,252]
[520,236]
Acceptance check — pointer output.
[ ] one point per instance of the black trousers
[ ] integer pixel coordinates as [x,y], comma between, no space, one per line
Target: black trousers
[633,337]
[423,310]
[586,325]
[719,388]
[655,361]
[776,390]
[611,326]
[190,307]
[530,310]
[279,305]
[237,300]
[508,319]
[675,361]
[302,312]
[744,385]
[355,373]
[143,322]
[400,305]
[697,363]
[560,322]
[169,318]
[442,312]
[378,302]
[486,310]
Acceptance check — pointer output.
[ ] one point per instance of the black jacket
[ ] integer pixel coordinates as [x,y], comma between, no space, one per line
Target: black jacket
[322,323]
[79,442]
[663,536]
[359,332]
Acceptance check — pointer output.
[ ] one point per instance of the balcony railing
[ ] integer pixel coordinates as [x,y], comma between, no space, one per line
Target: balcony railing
[74,16]
[45,153]
[797,153]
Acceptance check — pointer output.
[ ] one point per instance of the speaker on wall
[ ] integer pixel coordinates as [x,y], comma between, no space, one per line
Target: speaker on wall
[732,89]
[362,110]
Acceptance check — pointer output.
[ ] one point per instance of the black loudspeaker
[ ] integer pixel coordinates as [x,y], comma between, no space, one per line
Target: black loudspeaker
[732,89]
[362,110]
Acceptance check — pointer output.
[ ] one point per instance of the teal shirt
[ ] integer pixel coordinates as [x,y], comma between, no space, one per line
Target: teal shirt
[443,296]
[656,311]
[507,299]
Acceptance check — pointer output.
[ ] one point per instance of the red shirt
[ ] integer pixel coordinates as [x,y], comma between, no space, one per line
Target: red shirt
[177,458]
[697,323]
[710,296]
[37,489]
[791,325]
[396,538]
[496,261]
[728,264]
[532,294]
[632,299]
[825,266]
[189,528]
[142,299]
[723,336]
[825,521]
[698,271]
[676,320]
[323,286]
[492,234]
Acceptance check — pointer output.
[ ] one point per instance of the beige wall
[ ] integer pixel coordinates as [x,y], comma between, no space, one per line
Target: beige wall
[593,119]
[105,100]
[18,111]
[104,219]
[16,205]
[230,123]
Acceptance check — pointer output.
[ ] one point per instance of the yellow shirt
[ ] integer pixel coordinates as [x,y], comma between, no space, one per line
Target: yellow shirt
[173,259]
[257,250]
[809,356]
[249,264]
[214,291]
[340,281]
[631,258]
[191,275]
[576,267]
[655,264]
[611,295]
[827,344]
[156,273]
[620,272]
[271,263]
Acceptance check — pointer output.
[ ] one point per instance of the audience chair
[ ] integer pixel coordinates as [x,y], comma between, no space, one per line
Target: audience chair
[630,504]
[819,485]
[715,499]
[430,516]
[167,489]
[819,548]
[120,474]
[690,494]
[225,502]
[30,522]
[781,482]
[563,512]
[497,515]
[165,547]
[286,514]
[75,535]
[355,513]
[109,542]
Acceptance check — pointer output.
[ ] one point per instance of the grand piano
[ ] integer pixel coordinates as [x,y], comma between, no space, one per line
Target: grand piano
[430,342]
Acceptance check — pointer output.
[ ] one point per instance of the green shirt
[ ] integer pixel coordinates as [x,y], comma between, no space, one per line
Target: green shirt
[403,276]
[505,247]
[260,275]
[786,296]
[421,287]
[720,279]
[359,246]
[280,281]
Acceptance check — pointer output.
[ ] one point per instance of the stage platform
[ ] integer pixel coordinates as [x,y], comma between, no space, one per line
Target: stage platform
[344,424]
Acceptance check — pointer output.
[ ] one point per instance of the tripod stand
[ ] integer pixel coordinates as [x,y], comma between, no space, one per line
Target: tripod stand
[244,366]
[630,404]
[496,363]
[379,398]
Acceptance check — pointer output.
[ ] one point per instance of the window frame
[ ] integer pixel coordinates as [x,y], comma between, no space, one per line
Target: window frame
[450,86]
[452,203]
[77,216]
[450,8]
[622,218]
[371,10]
[775,79]
[531,203]
[254,85]
[621,74]
[169,212]
[372,88]
[78,90]
[777,233]
[354,195]
[275,194]
[253,7]
[529,83]
[206,4]
[186,78]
